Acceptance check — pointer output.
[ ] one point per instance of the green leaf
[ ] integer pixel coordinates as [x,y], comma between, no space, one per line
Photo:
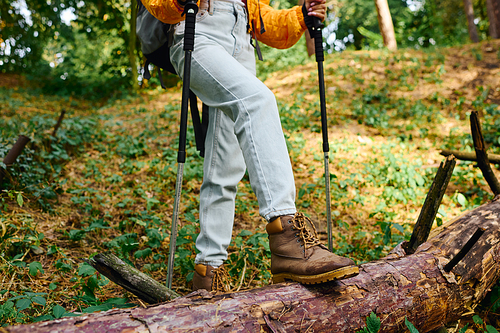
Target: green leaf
[477,320]
[58,311]
[410,326]
[245,233]
[462,200]
[491,329]
[85,270]
[53,286]
[143,253]
[34,267]
[43,318]
[399,227]
[94,308]
[442,212]
[420,180]
[464,329]
[373,323]
[39,300]
[20,200]
[52,250]
[23,304]
[19,263]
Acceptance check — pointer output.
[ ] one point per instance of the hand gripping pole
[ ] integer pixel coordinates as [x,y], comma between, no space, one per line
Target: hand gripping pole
[190,10]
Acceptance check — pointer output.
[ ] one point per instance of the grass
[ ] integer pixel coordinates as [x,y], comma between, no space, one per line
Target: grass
[106,181]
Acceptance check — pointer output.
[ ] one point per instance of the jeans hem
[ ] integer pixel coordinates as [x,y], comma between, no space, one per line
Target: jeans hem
[214,264]
[275,213]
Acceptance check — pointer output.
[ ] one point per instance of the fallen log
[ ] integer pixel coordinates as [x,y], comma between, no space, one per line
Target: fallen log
[414,286]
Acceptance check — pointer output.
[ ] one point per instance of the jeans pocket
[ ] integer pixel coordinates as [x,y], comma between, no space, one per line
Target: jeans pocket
[180,27]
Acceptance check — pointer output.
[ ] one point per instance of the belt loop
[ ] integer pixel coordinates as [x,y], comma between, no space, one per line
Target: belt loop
[211,7]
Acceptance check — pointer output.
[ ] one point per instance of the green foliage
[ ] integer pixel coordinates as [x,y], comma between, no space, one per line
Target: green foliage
[26,38]
[277,59]
[372,324]
[37,169]
[251,257]
[482,326]
[89,64]
[432,22]
[410,326]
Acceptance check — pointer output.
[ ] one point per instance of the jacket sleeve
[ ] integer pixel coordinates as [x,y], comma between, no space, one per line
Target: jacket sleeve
[167,11]
[283,27]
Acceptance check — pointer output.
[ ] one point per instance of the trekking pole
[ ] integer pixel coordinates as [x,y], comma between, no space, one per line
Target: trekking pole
[320,57]
[190,10]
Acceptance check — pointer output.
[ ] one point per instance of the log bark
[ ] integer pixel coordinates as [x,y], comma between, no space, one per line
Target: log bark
[412,286]
[469,156]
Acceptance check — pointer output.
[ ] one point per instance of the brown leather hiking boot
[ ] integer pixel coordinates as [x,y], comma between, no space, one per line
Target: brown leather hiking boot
[298,255]
[210,278]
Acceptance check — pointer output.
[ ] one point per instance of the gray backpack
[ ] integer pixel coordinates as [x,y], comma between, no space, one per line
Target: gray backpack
[156,37]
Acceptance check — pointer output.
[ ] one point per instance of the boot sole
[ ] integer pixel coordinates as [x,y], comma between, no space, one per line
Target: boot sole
[338,274]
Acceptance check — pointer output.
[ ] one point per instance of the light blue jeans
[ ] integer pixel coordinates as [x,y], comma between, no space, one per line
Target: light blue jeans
[244,127]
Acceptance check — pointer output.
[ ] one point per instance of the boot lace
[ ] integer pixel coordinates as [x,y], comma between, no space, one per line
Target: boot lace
[220,280]
[310,238]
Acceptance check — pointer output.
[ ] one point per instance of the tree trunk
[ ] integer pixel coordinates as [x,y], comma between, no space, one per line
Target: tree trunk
[416,287]
[469,12]
[496,13]
[386,25]
[132,41]
[492,18]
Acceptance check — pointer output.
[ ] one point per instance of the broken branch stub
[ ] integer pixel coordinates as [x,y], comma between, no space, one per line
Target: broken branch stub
[13,154]
[482,158]
[131,279]
[431,204]
[58,124]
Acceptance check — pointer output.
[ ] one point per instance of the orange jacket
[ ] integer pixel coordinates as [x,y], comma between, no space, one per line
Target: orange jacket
[283,28]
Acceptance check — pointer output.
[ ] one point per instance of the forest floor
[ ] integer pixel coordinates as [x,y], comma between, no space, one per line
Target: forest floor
[106,181]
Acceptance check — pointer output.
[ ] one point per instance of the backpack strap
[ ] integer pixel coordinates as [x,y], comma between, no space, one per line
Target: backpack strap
[200,128]
[147,74]
[204,126]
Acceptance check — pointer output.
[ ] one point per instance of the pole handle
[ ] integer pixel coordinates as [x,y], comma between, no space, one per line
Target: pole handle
[190,10]
[318,38]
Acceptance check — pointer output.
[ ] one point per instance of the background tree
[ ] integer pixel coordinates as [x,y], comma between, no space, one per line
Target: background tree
[493,7]
[469,12]
[385,24]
